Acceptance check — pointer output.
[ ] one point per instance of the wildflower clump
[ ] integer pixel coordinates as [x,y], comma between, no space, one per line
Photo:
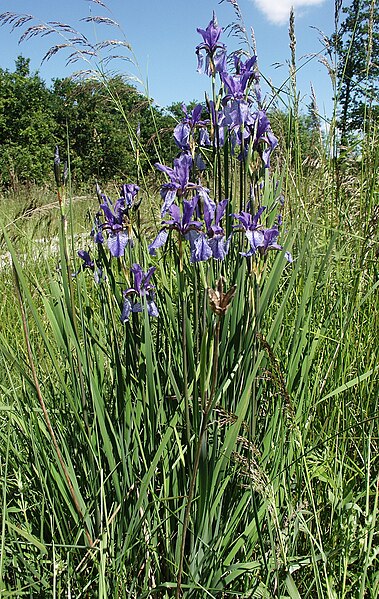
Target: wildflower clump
[234,120]
[231,128]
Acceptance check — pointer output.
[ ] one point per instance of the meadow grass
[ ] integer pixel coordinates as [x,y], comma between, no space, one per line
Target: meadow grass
[208,452]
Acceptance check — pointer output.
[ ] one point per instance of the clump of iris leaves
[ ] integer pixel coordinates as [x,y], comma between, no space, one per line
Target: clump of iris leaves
[234,120]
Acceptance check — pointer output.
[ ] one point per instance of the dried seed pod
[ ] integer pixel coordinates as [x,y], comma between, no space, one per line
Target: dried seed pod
[220,301]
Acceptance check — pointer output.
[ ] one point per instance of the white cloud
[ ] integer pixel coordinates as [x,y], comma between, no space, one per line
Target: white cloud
[278,11]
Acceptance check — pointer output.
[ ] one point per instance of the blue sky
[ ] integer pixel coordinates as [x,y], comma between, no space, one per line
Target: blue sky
[163,37]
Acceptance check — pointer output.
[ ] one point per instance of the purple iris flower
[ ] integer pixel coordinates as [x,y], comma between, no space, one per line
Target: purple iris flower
[261,133]
[216,235]
[270,243]
[128,194]
[181,223]
[213,243]
[179,184]
[237,113]
[260,239]
[270,237]
[184,224]
[207,201]
[179,180]
[183,132]
[90,264]
[201,250]
[142,288]
[219,246]
[250,65]
[236,85]
[87,261]
[214,51]
[118,232]
[204,139]
[249,224]
[114,219]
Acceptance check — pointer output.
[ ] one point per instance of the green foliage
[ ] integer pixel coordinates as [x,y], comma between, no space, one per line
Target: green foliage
[292,507]
[99,118]
[356,44]
[26,127]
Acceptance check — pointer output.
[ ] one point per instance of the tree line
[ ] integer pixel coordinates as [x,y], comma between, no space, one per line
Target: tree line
[108,129]
[102,126]
[356,46]
[105,125]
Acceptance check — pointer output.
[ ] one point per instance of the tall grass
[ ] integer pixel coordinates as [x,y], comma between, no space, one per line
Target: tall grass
[227,448]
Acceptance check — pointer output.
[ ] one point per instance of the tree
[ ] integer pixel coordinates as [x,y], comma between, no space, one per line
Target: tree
[101,120]
[26,126]
[96,120]
[357,47]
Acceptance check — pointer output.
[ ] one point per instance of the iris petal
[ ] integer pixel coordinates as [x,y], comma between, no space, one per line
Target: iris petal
[117,243]
[201,249]
[160,240]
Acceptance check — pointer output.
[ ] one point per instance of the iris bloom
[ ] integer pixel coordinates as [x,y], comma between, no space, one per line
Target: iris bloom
[237,85]
[249,224]
[213,243]
[128,195]
[87,260]
[264,141]
[183,132]
[217,240]
[244,124]
[214,51]
[237,112]
[179,182]
[249,65]
[117,222]
[270,237]
[259,238]
[237,115]
[142,288]
[183,224]
[118,232]
[88,263]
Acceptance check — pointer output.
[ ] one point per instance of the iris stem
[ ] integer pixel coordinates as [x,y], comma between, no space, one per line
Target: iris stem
[184,342]
[256,300]
[217,140]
